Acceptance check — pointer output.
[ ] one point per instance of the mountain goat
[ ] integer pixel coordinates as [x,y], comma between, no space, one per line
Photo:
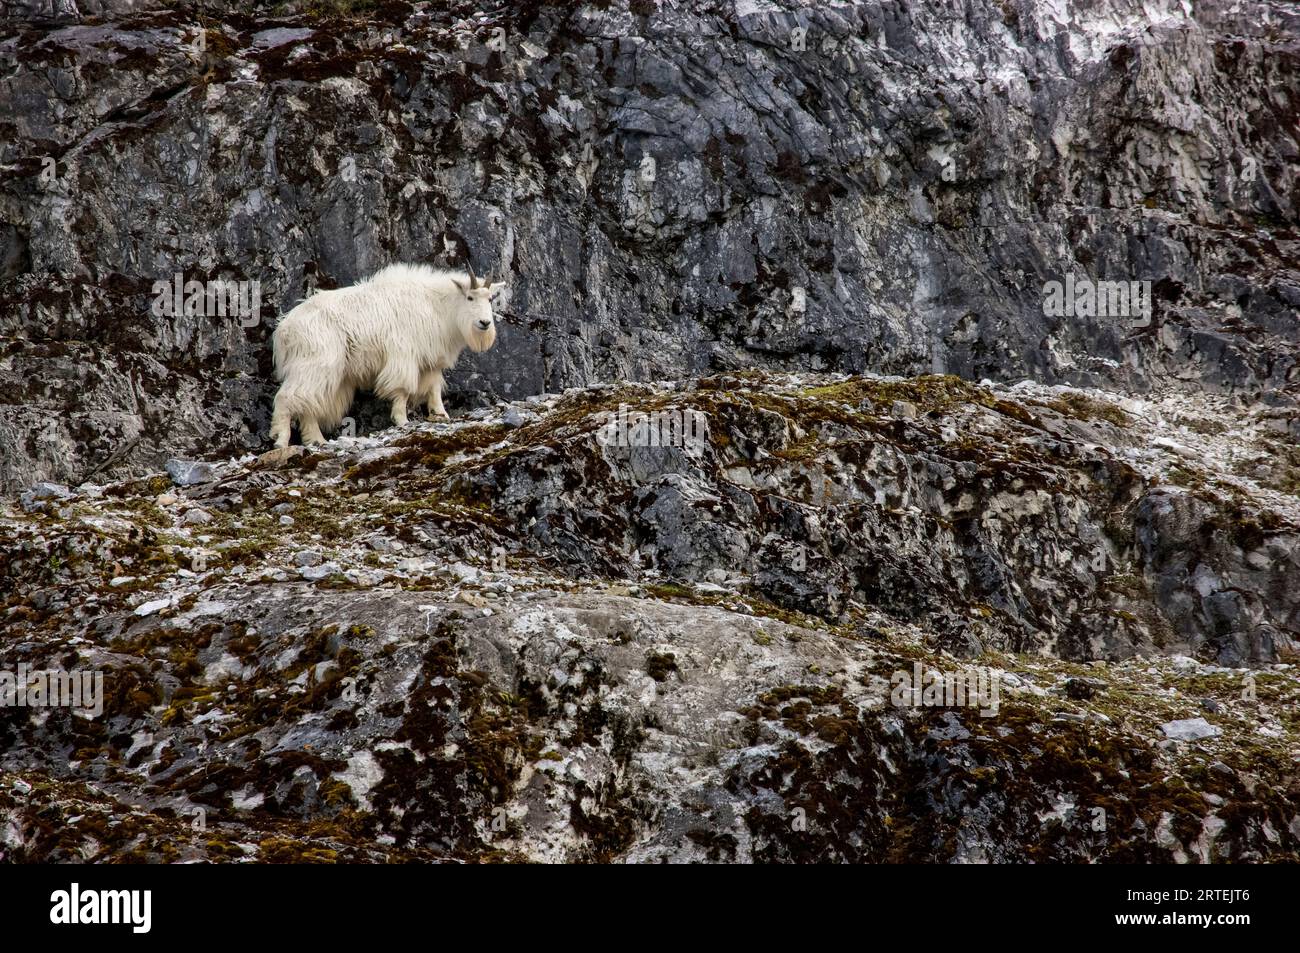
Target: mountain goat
[394,333]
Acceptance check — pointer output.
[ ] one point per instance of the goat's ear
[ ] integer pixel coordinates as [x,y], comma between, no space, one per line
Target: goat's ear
[459,284]
[495,288]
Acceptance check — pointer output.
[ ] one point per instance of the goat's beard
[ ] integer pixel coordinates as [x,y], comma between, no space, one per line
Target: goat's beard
[480,341]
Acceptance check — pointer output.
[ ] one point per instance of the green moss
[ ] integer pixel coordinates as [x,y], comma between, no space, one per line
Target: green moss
[1083,407]
[430,452]
[335,9]
[1180,475]
[279,850]
[929,392]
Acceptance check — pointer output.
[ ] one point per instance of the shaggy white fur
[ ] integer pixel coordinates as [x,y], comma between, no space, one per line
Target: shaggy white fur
[394,334]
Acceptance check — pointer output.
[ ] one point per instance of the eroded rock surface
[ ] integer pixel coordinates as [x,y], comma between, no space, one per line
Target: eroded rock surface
[671,188]
[484,640]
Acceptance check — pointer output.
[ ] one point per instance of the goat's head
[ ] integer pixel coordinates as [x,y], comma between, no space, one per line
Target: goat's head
[476,320]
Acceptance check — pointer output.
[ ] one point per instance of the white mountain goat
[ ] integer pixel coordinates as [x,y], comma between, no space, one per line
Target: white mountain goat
[394,334]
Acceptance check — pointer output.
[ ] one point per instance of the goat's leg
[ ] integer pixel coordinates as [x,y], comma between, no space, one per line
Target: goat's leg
[399,411]
[435,397]
[310,430]
[281,422]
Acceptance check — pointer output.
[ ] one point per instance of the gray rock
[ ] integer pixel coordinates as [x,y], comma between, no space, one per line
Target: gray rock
[196,517]
[43,494]
[316,572]
[190,472]
[903,410]
[49,491]
[1083,688]
[1190,729]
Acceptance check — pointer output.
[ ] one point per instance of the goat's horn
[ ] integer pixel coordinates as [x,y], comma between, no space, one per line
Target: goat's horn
[473,281]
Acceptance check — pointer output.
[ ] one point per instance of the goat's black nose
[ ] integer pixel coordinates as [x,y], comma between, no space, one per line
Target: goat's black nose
[484,325]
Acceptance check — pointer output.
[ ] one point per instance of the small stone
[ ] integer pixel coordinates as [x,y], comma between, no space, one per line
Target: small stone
[1211,705]
[277,458]
[1082,689]
[316,573]
[42,493]
[149,608]
[286,520]
[903,410]
[471,599]
[50,491]
[196,517]
[464,572]
[376,454]
[190,472]
[1190,729]
[512,418]
[166,499]
[1165,832]
[306,557]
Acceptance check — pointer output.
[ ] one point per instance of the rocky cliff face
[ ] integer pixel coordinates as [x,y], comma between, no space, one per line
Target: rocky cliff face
[520,636]
[671,189]
[924,568]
